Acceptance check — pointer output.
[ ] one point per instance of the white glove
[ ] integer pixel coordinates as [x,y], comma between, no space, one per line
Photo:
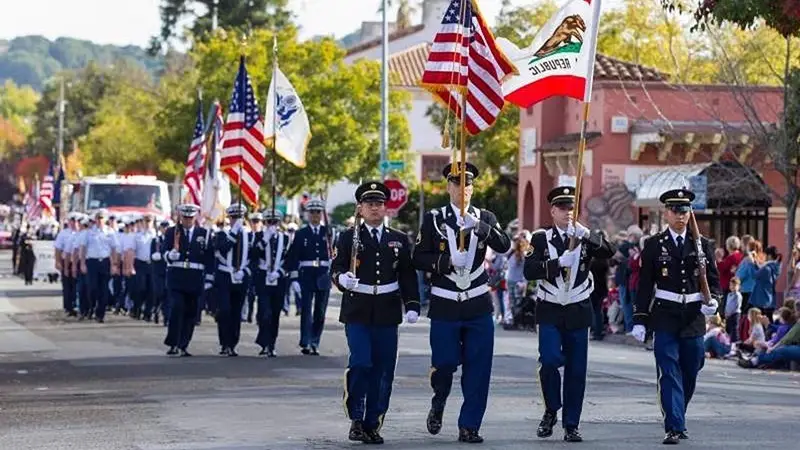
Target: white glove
[296,288]
[156,256]
[237,226]
[238,275]
[568,258]
[459,259]
[173,255]
[710,309]
[348,280]
[207,286]
[469,221]
[272,276]
[577,230]
[412,317]
[639,332]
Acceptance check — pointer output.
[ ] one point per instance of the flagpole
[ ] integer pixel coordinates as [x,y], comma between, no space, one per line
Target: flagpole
[463,137]
[274,120]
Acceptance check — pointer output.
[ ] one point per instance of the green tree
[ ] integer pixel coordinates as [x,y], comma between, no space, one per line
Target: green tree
[123,137]
[242,15]
[780,15]
[342,102]
[17,105]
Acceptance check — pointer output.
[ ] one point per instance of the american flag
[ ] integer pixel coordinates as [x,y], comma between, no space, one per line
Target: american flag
[464,58]
[46,192]
[33,207]
[243,150]
[193,175]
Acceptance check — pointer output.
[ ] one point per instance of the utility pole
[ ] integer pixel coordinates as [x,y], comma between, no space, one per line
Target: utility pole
[384,91]
[214,14]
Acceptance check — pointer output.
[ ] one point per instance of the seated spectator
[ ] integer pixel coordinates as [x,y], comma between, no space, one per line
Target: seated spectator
[757,337]
[786,351]
[716,342]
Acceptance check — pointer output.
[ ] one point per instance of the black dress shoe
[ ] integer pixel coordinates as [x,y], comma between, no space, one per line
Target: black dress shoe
[223,351]
[314,351]
[184,353]
[172,351]
[549,420]
[683,435]
[356,431]
[672,438]
[572,435]
[271,354]
[232,352]
[469,436]
[371,437]
[435,421]
[305,351]
[263,351]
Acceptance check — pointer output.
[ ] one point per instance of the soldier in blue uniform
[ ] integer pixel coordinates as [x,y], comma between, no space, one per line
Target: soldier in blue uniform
[670,303]
[256,220]
[564,309]
[308,262]
[159,274]
[461,311]
[374,297]
[190,261]
[269,254]
[231,278]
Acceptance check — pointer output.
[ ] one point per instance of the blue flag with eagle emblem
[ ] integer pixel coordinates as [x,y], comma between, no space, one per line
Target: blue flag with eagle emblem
[286,113]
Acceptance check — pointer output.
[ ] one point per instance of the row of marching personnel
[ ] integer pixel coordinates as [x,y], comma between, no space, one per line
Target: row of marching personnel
[172,272]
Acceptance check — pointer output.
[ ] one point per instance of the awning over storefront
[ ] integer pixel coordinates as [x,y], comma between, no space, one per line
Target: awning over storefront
[730,185]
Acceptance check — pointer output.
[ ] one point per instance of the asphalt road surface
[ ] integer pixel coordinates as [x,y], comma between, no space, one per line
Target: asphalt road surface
[81,385]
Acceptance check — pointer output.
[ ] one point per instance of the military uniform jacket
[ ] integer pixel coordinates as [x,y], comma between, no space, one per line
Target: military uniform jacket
[308,258]
[668,295]
[379,267]
[195,266]
[432,254]
[232,253]
[260,264]
[560,301]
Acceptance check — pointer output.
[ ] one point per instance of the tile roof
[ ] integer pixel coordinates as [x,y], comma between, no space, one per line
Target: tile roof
[406,68]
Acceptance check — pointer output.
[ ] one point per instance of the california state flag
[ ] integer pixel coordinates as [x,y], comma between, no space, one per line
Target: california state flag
[560,61]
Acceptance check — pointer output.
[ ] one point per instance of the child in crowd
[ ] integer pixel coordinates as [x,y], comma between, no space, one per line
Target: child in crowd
[613,308]
[716,341]
[733,307]
[757,337]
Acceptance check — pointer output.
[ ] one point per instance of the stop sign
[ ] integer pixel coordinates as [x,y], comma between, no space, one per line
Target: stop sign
[398,196]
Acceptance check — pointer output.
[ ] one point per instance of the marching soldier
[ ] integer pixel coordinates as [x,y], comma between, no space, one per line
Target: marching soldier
[141,266]
[269,253]
[117,295]
[670,303]
[383,284]
[563,309]
[81,278]
[62,253]
[308,262]
[188,250]
[462,328]
[158,274]
[256,225]
[231,278]
[100,260]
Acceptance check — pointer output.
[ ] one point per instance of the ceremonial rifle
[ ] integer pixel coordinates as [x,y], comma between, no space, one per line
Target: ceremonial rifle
[356,241]
[701,259]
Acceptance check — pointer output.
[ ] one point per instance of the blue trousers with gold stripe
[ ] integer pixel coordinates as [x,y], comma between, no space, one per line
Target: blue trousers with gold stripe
[370,372]
[559,347]
[678,362]
[469,343]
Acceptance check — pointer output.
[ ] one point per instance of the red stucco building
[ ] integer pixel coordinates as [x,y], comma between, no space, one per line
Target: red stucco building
[646,135]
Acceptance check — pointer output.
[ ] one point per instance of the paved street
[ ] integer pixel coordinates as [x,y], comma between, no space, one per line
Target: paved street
[81,385]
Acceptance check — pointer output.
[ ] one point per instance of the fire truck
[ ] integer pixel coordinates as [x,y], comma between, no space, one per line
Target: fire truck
[122,195]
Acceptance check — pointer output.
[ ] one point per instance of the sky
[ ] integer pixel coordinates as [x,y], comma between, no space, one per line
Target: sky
[126,22]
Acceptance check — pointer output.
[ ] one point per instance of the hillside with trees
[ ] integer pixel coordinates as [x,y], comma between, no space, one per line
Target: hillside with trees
[32,60]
